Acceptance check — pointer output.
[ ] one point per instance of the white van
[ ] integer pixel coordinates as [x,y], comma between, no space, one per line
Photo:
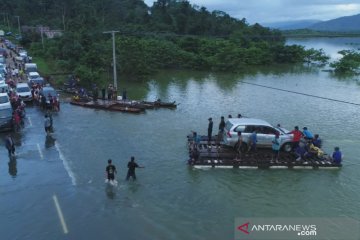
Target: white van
[30,67]
[35,78]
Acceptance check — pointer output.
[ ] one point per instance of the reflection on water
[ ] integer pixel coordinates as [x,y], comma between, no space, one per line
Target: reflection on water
[110,191]
[12,166]
[49,141]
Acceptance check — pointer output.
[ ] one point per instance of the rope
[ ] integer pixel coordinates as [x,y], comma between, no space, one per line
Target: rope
[304,94]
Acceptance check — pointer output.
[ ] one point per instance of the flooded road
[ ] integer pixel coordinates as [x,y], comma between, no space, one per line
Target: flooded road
[56,190]
[170,200]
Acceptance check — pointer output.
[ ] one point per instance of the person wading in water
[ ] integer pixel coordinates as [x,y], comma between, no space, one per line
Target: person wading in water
[131,172]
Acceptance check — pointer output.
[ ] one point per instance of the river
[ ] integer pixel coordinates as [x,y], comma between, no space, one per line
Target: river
[170,200]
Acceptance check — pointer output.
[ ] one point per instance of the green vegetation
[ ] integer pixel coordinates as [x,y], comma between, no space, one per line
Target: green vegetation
[349,63]
[172,34]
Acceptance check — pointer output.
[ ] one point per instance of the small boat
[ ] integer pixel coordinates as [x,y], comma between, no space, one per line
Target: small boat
[160,104]
[106,106]
[133,103]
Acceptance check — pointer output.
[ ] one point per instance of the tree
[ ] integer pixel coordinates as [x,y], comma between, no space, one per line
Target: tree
[349,63]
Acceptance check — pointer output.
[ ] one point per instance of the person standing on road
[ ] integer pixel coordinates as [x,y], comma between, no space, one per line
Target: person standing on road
[221,129]
[110,171]
[10,145]
[131,169]
[210,128]
[47,124]
[103,93]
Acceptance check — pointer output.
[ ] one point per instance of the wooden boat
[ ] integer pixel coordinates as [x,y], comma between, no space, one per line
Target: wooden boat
[107,106]
[133,103]
[160,104]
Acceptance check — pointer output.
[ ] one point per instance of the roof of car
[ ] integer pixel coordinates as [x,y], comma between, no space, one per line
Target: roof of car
[48,88]
[34,74]
[30,64]
[22,85]
[3,94]
[248,121]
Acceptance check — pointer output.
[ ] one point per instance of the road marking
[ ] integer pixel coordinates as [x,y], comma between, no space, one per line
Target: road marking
[66,164]
[30,123]
[60,214]
[40,152]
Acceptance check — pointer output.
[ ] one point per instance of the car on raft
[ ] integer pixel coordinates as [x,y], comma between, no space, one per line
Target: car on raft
[265,133]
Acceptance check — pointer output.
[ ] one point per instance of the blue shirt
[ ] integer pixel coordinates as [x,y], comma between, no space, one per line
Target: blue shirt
[276,144]
[253,138]
[317,142]
[197,139]
[308,134]
[337,156]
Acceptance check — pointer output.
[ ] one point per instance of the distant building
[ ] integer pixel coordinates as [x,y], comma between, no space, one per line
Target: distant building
[44,29]
[53,33]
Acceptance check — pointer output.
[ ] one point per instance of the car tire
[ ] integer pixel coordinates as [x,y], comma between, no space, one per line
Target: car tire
[287,147]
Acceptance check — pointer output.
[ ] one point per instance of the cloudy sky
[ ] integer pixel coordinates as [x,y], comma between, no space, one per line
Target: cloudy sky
[267,11]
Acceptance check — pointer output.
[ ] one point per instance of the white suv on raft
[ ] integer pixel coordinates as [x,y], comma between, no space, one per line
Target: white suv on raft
[265,133]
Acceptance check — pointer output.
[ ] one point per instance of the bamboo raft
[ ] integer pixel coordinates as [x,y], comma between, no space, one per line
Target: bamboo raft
[212,155]
[109,106]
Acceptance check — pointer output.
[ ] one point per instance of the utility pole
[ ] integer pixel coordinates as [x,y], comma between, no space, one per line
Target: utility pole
[63,20]
[18,20]
[42,36]
[8,24]
[4,18]
[114,56]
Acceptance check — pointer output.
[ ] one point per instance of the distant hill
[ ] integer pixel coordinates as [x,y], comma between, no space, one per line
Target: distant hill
[291,25]
[342,24]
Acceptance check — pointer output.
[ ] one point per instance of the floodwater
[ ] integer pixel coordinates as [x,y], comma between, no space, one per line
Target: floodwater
[55,189]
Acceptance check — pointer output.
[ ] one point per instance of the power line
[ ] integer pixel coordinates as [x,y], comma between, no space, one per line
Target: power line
[299,93]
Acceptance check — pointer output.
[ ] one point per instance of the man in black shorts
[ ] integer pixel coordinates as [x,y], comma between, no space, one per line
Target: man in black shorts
[110,170]
[131,169]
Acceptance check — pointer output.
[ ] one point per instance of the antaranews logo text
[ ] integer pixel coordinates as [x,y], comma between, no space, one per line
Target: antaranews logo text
[300,229]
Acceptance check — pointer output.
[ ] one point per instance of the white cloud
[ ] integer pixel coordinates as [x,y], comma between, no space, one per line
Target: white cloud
[281,10]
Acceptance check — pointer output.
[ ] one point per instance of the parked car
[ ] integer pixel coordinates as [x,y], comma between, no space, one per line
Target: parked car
[35,78]
[3,52]
[24,92]
[4,99]
[46,92]
[6,122]
[2,59]
[265,133]
[30,67]
[2,78]
[4,88]
[2,68]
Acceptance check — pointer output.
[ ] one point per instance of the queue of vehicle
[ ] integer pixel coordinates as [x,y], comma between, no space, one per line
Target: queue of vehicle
[16,88]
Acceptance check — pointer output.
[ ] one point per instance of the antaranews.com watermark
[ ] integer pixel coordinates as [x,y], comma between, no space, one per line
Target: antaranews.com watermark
[340,228]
